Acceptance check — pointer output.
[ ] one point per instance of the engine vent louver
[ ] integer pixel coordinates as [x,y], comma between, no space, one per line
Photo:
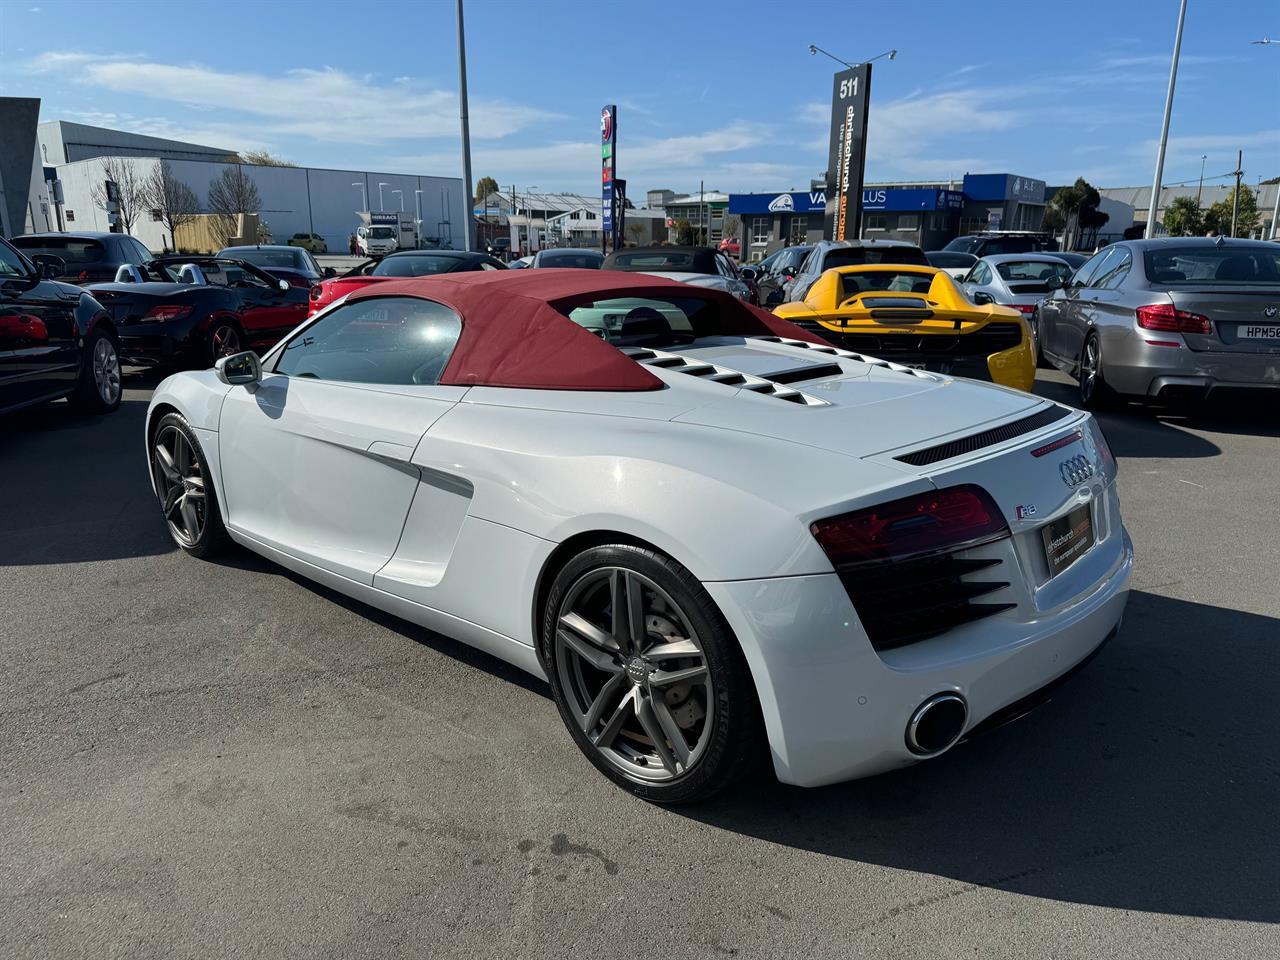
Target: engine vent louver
[848,355]
[987,438]
[730,378]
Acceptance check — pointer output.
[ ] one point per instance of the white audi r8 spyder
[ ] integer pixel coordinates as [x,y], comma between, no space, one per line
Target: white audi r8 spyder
[711,532]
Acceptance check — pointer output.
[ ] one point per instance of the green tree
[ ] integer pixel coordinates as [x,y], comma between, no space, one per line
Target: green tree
[1077,208]
[1218,216]
[1183,218]
[484,187]
[684,232]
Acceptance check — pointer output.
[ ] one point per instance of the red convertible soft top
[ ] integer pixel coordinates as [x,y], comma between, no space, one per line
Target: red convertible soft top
[515,332]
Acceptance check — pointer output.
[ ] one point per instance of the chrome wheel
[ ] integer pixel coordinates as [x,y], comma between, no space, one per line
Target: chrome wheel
[224,341]
[180,485]
[106,371]
[634,674]
[1089,369]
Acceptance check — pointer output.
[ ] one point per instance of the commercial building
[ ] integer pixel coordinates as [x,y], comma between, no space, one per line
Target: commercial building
[317,200]
[1138,201]
[705,210]
[20,174]
[537,220]
[926,213]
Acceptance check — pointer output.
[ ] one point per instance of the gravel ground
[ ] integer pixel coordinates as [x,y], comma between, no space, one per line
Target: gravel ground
[223,760]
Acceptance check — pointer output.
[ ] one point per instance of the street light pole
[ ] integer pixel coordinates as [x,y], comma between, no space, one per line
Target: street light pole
[381,207]
[1201,187]
[1235,196]
[417,206]
[469,201]
[364,199]
[400,194]
[1164,131]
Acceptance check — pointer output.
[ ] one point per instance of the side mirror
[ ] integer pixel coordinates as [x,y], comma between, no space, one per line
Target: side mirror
[48,266]
[981,298]
[749,273]
[282,286]
[1055,283]
[244,367]
[329,273]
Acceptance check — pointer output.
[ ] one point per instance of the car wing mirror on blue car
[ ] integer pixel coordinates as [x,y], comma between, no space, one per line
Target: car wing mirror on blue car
[239,368]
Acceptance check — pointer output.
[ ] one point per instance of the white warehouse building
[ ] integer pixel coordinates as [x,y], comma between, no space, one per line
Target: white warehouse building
[294,199]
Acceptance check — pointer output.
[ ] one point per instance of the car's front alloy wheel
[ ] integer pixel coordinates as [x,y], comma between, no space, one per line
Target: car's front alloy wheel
[647,676]
[182,485]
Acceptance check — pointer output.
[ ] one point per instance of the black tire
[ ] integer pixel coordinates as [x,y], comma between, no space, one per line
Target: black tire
[98,384]
[225,338]
[729,733]
[176,478]
[1094,392]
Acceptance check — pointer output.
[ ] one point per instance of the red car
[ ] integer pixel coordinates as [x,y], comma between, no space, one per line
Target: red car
[732,246]
[398,266]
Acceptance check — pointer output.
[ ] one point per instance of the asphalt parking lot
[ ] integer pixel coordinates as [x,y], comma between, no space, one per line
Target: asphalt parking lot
[221,759]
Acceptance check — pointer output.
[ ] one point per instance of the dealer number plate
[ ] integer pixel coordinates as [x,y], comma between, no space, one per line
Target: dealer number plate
[1258,331]
[1067,539]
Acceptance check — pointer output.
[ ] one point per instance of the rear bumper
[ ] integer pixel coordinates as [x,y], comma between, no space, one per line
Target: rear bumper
[158,344]
[836,710]
[1132,366]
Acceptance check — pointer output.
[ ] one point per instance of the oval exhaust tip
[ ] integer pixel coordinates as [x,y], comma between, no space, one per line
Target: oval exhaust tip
[936,724]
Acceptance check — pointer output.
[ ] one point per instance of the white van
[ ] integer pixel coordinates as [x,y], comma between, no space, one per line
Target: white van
[377,239]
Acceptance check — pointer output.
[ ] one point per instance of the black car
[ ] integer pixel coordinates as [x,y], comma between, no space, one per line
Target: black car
[55,340]
[1009,241]
[294,264]
[87,257]
[189,311]
[776,270]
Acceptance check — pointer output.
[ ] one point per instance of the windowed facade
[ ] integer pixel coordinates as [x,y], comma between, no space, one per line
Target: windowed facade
[760,230]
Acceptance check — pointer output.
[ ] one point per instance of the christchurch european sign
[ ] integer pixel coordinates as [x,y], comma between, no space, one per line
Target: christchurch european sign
[846,156]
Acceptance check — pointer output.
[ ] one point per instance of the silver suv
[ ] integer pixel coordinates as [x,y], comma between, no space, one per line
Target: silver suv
[846,253]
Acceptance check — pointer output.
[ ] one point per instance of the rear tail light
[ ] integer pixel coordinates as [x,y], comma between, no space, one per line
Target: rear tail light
[934,522]
[168,311]
[1109,465]
[317,291]
[1164,316]
[1024,308]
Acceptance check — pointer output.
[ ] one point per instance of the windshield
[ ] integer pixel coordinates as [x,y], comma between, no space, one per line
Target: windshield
[1036,270]
[288,259]
[382,233]
[887,281]
[414,265]
[73,252]
[648,322]
[940,258]
[852,256]
[963,245]
[677,261]
[582,259]
[1213,264]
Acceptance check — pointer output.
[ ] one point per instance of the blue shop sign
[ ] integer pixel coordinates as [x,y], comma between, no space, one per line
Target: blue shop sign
[911,199]
[815,201]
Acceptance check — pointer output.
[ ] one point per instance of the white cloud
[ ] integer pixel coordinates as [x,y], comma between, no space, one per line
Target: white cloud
[322,103]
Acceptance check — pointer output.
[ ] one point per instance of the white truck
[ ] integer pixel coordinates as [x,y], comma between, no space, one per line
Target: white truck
[383,233]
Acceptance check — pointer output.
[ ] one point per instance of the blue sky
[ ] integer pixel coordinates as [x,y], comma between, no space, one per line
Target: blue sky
[725,92]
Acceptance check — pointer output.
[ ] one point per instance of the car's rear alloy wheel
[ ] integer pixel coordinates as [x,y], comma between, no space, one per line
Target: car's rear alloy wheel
[647,675]
[182,485]
[98,389]
[224,340]
[1094,392]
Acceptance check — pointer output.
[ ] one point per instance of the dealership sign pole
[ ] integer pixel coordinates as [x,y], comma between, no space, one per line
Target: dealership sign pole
[846,157]
[608,167]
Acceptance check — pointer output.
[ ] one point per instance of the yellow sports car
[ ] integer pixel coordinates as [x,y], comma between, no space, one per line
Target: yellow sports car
[917,316]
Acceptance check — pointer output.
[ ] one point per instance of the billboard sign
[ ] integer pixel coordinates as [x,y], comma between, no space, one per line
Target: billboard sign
[608,169]
[846,156]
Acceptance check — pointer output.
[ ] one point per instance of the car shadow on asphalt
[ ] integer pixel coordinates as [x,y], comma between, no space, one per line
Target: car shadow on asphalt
[74,487]
[1150,782]
[1162,430]
[242,559]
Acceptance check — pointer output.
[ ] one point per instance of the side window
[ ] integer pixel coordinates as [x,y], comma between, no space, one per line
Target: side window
[386,340]
[1110,257]
[143,253]
[981,274]
[485,265]
[1116,269]
[725,269]
[11,264]
[1081,277]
